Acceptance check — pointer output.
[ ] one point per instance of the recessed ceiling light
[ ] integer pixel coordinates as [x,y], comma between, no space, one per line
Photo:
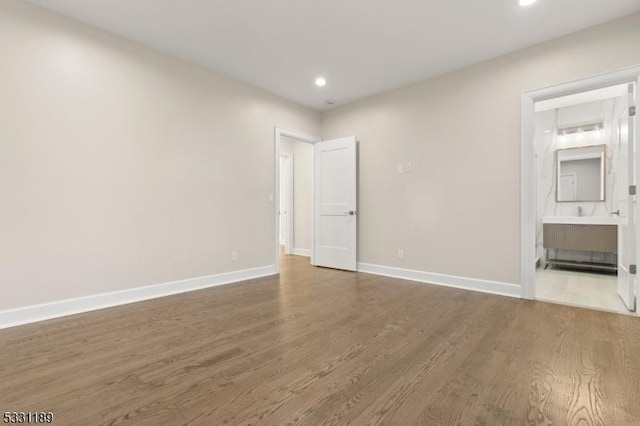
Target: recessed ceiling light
[526,2]
[320,81]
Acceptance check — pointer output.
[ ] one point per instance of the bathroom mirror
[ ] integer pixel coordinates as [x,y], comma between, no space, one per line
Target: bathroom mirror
[580,173]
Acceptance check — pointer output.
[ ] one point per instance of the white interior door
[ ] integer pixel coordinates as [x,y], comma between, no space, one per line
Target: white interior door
[568,187]
[626,176]
[335,204]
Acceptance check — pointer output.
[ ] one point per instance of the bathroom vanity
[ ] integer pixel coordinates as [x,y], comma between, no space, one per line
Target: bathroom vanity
[589,234]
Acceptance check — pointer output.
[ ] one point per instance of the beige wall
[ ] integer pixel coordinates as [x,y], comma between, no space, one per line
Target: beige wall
[458,212]
[302,190]
[122,167]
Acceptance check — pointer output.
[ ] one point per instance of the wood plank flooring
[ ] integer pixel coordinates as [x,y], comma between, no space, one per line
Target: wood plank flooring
[323,347]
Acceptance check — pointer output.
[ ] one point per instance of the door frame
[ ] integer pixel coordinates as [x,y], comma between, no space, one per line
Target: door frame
[288,172]
[528,172]
[575,185]
[279,132]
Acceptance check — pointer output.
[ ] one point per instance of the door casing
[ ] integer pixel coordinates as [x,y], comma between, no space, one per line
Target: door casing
[528,178]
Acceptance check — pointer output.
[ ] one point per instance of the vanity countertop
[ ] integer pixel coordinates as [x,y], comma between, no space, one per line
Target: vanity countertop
[581,220]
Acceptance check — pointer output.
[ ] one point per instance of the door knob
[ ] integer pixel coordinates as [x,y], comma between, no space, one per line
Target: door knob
[617,212]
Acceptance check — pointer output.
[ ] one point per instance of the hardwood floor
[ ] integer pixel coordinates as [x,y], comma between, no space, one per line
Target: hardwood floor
[324,347]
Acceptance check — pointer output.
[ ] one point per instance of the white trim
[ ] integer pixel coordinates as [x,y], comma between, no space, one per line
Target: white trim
[528,206]
[484,286]
[61,308]
[278,133]
[302,252]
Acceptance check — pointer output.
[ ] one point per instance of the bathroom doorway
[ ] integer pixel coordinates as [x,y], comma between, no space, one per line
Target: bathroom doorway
[578,219]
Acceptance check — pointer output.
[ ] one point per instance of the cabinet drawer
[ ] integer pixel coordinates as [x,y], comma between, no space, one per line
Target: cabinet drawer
[602,238]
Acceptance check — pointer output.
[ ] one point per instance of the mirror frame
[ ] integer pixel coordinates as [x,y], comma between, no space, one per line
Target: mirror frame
[602,148]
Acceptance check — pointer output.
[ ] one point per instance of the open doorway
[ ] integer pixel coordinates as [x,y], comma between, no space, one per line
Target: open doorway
[579,171]
[296,197]
[294,194]
[320,202]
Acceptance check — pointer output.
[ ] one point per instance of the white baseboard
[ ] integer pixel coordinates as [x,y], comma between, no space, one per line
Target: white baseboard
[485,286]
[302,252]
[34,313]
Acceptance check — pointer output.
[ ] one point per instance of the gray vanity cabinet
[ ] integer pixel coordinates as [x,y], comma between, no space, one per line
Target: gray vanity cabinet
[592,238]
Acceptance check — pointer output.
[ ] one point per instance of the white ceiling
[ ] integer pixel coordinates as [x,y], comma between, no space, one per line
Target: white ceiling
[583,97]
[362,47]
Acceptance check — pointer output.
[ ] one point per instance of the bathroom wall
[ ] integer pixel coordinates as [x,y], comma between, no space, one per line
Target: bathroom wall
[548,141]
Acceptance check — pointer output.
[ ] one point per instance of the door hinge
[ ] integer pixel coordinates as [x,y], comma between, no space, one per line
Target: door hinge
[632,190]
[633,269]
[632,111]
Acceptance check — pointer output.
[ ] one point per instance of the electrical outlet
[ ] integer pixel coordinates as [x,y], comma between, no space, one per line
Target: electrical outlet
[400,254]
[400,169]
[234,256]
[408,168]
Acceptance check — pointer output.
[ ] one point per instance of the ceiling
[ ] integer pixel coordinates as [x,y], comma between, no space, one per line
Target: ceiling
[588,96]
[362,47]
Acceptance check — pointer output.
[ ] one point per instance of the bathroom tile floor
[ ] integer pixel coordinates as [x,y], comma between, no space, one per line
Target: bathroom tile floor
[579,288]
